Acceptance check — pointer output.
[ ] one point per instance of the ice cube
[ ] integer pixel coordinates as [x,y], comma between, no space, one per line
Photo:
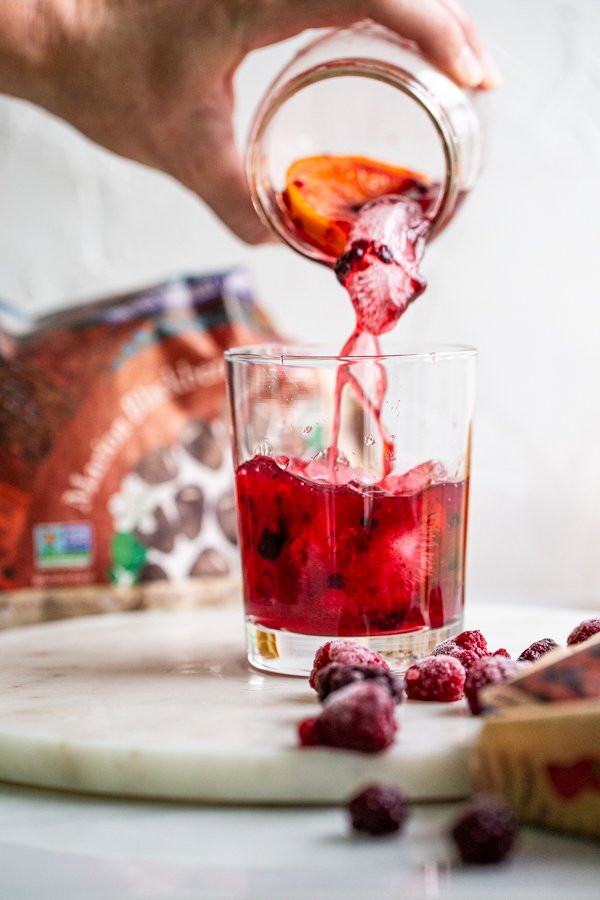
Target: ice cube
[417,478]
[386,221]
[329,466]
[380,268]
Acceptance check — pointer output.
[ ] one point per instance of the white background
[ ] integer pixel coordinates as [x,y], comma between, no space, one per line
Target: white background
[517,275]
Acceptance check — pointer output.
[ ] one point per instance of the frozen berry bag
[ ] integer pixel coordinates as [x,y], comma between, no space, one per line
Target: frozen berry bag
[114,460]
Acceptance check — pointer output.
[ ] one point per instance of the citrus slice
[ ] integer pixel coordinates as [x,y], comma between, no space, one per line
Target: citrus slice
[324,194]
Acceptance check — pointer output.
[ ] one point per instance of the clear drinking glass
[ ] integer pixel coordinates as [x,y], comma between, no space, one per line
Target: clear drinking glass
[363,91]
[365,541]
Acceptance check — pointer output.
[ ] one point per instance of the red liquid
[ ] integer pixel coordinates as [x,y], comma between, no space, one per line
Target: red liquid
[329,558]
[344,559]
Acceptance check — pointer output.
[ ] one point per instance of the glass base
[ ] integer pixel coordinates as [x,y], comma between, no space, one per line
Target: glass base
[288,653]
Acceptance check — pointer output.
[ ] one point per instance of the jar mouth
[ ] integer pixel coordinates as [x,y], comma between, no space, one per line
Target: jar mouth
[424,88]
[325,353]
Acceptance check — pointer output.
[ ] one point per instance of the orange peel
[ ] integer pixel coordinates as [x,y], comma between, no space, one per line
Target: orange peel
[324,194]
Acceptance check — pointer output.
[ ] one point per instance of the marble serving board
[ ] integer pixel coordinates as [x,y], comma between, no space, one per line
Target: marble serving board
[164,705]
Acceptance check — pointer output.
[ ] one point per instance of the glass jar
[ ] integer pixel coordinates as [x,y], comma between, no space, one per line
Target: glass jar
[363,91]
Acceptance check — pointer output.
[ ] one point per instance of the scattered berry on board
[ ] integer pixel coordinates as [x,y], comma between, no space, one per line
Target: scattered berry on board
[536,650]
[337,675]
[583,631]
[357,717]
[437,678]
[345,652]
[466,647]
[489,670]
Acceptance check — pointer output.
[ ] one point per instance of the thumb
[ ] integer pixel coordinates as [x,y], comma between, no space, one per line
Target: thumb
[210,165]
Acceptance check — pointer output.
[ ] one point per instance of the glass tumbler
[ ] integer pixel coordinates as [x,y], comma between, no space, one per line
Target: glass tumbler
[352,479]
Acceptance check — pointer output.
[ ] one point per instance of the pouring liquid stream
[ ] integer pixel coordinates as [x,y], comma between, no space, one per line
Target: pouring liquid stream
[384,242]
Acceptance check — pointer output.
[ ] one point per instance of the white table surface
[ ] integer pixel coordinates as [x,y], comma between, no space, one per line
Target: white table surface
[58,846]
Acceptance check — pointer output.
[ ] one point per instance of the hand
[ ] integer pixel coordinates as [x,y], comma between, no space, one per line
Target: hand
[152,80]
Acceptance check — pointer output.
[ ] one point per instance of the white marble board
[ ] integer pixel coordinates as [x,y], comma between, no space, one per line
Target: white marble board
[164,705]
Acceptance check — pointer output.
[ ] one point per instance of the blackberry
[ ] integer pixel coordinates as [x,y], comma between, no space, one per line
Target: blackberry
[537,649]
[485,832]
[352,261]
[271,543]
[336,581]
[583,631]
[337,675]
[378,809]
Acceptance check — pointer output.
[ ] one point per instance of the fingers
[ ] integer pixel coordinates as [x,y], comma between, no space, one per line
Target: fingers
[492,75]
[440,32]
[441,28]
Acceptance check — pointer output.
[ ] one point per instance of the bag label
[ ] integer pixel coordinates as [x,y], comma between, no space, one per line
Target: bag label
[63,545]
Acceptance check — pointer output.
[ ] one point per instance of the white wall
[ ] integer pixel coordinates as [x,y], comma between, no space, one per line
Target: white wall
[518,275]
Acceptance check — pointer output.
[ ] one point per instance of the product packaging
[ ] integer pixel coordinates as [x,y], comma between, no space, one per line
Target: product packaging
[116,486]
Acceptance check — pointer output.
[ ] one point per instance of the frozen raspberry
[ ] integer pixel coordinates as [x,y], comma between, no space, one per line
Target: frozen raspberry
[439,678]
[378,809]
[486,831]
[489,670]
[344,652]
[307,732]
[472,640]
[358,717]
[537,649]
[502,652]
[337,675]
[584,631]
[466,647]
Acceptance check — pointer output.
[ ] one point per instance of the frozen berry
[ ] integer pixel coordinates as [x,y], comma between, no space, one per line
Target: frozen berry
[353,260]
[307,732]
[439,678]
[584,631]
[358,717]
[472,640]
[502,652]
[271,543]
[337,675]
[466,647]
[489,670]
[344,652]
[486,831]
[537,649]
[378,809]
